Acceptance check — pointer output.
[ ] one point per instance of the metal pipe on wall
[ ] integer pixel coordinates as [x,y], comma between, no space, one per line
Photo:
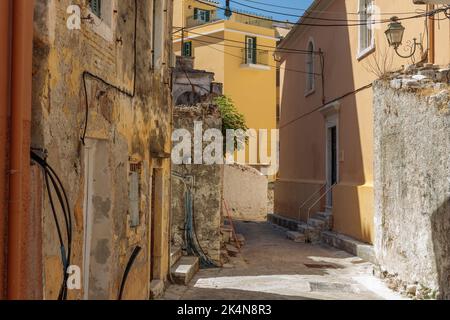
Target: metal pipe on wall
[5,37]
[19,185]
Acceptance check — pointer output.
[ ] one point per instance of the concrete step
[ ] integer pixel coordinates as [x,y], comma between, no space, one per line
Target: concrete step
[175,255]
[184,270]
[317,223]
[363,250]
[326,217]
[156,289]
[296,236]
[283,221]
[323,215]
[312,234]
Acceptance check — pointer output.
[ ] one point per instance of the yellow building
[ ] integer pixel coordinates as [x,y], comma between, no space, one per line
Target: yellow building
[238,50]
[326,125]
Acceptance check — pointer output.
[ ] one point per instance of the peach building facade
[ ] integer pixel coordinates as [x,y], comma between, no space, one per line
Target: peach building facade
[326,125]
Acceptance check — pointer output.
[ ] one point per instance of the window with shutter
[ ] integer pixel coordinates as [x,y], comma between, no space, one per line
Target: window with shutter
[96,7]
[187,49]
[250,50]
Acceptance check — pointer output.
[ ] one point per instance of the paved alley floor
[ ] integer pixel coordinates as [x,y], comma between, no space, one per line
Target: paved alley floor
[273,267]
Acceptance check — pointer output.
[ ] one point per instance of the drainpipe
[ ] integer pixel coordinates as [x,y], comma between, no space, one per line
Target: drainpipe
[431,35]
[19,199]
[5,36]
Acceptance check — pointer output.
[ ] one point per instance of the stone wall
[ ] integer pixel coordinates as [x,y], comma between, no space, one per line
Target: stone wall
[91,74]
[207,187]
[412,180]
[246,192]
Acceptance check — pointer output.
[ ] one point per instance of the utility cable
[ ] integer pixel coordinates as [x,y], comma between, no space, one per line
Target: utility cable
[275,49]
[127,270]
[297,16]
[239,57]
[324,25]
[98,78]
[321,11]
[325,104]
[52,181]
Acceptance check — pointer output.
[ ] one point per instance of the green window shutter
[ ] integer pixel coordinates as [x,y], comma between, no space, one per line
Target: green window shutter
[208,16]
[187,49]
[96,7]
[195,13]
[254,51]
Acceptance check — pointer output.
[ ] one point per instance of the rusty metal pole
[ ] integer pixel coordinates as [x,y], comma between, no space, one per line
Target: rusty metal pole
[5,33]
[21,91]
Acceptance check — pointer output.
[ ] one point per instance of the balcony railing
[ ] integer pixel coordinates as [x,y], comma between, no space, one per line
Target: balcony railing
[255,57]
[197,21]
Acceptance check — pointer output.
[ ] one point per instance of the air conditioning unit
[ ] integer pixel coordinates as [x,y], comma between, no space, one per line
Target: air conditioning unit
[431,1]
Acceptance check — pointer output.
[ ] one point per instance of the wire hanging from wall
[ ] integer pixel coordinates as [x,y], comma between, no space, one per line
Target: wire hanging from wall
[52,181]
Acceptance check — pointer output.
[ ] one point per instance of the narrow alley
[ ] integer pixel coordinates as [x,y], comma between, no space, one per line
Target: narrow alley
[272,267]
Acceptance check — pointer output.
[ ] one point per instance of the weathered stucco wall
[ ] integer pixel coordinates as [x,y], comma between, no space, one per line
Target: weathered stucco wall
[207,189]
[127,130]
[412,181]
[245,191]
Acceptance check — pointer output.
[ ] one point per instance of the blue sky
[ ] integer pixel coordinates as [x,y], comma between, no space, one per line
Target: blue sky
[301,4]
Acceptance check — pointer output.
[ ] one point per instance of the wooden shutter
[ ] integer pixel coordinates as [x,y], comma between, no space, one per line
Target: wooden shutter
[96,7]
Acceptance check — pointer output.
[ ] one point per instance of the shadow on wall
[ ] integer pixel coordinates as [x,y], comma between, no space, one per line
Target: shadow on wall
[303,133]
[440,223]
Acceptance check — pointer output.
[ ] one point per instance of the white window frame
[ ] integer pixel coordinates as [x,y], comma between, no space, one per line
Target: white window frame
[364,29]
[104,26]
[310,81]
[159,21]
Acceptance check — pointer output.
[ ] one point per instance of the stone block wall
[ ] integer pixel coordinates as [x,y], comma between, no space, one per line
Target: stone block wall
[207,187]
[87,80]
[412,180]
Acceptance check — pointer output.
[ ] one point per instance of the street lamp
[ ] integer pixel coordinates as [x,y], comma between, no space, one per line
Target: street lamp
[394,35]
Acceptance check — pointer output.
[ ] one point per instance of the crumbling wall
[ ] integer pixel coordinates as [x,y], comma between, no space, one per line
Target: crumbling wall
[207,186]
[412,180]
[125,109]
[246,192]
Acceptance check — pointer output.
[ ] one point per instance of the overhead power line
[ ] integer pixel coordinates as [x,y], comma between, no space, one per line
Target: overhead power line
[298,16]
[325,104]
[324,11]
[275,49]
[426,14]
[240,57]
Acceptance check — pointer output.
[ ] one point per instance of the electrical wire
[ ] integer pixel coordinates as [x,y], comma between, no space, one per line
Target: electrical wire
[98,78]
[52,181]
[325,104]
[297,16]
[127,270]
[239,57]
[320,11]
[275,49]
[192,244]
[324,25]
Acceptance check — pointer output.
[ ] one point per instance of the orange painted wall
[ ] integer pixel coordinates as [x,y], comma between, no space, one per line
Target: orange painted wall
[302,129]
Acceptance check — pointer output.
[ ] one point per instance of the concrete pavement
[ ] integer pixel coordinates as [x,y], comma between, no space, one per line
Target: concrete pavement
[271,266]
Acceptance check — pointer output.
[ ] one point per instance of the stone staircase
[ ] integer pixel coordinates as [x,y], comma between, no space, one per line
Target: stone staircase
[316,224]
[309,232]
[182,268]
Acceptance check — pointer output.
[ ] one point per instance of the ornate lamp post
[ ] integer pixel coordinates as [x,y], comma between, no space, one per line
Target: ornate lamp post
[394,35]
